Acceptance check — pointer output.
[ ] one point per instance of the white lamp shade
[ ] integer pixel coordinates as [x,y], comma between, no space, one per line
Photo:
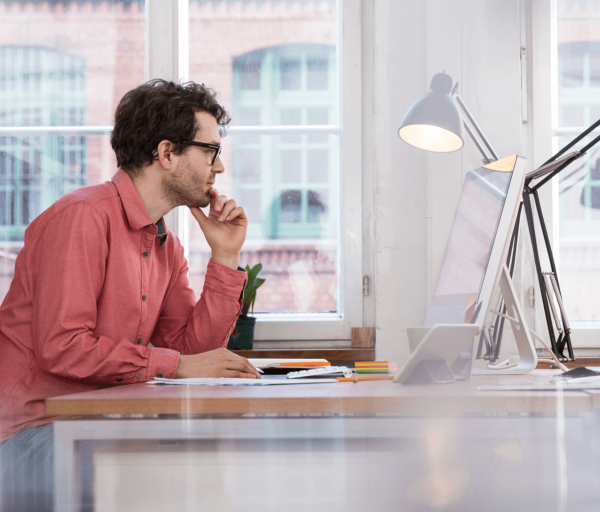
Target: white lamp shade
[433,122]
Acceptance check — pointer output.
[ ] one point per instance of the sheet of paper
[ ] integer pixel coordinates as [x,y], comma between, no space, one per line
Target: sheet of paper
[237,382]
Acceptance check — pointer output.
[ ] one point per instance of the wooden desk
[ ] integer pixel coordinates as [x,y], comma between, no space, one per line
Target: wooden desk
[346,397]
[339,446]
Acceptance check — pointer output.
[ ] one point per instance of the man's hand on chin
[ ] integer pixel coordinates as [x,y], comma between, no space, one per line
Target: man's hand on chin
[224,228]
[216,363]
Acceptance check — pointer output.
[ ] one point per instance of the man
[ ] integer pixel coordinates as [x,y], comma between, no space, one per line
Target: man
[100,294]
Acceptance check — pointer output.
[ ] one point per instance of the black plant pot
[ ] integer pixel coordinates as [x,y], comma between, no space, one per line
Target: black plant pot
[242,337]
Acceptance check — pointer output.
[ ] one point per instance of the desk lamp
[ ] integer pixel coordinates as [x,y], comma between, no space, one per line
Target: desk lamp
[434,123]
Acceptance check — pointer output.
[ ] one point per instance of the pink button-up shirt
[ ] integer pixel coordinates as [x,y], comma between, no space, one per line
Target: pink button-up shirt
[94,284]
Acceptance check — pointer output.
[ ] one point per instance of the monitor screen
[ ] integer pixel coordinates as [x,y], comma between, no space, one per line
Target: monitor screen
[469,246]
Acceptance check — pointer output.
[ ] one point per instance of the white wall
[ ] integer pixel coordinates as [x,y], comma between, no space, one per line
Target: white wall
[477,42]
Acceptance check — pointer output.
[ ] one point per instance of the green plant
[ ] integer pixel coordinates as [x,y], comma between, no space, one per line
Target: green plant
[254,283]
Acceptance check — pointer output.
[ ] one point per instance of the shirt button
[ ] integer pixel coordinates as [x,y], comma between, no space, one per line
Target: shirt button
[139,375]
[139,340]
[145,254]
[119,380]
[159,375]
[143,297]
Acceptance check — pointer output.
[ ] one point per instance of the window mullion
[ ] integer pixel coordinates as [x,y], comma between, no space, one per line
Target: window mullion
[167,57]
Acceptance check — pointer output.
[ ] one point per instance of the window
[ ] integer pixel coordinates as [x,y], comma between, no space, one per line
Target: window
[60,80]
[287,180]
[281,77]
[578,106]
[291,79]
[39,87]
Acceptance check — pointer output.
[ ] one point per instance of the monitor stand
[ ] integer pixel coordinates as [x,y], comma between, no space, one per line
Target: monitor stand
[527,353]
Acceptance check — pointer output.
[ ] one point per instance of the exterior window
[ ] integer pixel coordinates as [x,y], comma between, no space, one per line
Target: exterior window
[282,152]
[578,82]
[304,162]
[35,171]
[59,87]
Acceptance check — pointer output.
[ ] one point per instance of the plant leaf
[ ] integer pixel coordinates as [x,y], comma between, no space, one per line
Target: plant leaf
[253,272]
[249,296]
[259,282]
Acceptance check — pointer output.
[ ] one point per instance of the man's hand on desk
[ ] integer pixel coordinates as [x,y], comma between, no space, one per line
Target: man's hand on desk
[216,363]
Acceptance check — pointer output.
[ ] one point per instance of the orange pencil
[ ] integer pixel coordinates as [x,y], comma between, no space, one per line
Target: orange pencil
[368,377]
[304,363]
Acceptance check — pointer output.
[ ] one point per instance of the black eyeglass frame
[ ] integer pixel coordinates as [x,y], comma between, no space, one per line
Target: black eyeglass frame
[218,147]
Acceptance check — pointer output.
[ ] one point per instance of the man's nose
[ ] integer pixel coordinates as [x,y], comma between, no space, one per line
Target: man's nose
[218,168]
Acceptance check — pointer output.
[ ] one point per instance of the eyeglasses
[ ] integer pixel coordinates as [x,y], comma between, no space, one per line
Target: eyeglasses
[215,147]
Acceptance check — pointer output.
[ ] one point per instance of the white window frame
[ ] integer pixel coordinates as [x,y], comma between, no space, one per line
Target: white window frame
[167,57]
[544,132]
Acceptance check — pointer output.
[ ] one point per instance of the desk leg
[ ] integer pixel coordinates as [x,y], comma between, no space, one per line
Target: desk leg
[67,470]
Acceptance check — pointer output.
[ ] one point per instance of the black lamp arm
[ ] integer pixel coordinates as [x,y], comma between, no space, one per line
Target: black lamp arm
[582,152]
[574,141]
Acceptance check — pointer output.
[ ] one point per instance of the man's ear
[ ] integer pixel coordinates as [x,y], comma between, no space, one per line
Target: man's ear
[165,154]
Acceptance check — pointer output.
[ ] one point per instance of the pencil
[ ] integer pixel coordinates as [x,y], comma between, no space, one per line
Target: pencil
[305,363]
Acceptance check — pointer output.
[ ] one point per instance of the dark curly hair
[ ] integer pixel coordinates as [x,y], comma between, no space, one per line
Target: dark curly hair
[160,110]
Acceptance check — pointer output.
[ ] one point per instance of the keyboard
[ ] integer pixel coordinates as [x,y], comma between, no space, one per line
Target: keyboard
[321,371]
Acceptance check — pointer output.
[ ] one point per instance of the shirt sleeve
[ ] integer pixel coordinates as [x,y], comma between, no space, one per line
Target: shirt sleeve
[193,327]
[66,287]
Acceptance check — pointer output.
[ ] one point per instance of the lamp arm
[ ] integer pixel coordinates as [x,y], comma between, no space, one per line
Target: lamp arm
[486,159]
[464,108]
[582,152]
[573,142]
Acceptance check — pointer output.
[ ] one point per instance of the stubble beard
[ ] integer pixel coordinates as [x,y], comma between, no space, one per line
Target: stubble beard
[186,188]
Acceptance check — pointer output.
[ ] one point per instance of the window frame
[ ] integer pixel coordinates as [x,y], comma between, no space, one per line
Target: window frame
[167,57]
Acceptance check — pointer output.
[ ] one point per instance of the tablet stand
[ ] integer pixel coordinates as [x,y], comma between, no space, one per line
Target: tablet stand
[512,306]
[431,370]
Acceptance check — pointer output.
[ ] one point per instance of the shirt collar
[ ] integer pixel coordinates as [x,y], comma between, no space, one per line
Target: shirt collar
[135,210]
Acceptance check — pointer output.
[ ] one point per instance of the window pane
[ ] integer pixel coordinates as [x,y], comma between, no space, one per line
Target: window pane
[250,198]
[318,165]
[571,56]
[291,166]
[317,74]
[290,74]
[277,68]
[578,38]
[60,66]
[250,75]
[249,165]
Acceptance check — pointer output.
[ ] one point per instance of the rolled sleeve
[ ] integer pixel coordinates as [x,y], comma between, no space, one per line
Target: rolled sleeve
[225,280]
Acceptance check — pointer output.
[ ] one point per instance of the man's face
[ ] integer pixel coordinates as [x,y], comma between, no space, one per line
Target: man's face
[193,176]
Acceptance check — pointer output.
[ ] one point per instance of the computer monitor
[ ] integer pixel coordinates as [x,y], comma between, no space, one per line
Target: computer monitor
[478,244]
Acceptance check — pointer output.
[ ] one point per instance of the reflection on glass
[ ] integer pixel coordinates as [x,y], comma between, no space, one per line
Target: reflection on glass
[277,69]
[578,50]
